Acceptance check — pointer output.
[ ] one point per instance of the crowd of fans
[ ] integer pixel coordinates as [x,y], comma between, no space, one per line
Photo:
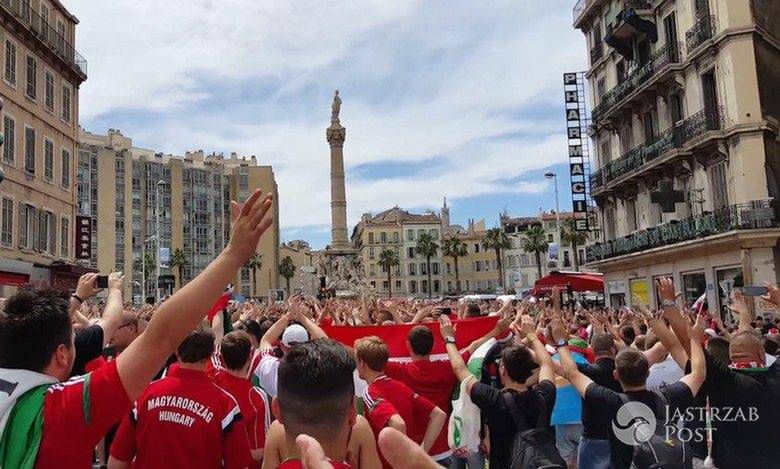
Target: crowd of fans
[260,384]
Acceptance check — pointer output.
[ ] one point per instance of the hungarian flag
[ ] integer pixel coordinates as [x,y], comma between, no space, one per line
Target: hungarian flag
[466,332]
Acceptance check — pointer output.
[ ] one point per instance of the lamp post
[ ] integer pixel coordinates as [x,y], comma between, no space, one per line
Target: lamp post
[554,176]
[157,205]
[143,266]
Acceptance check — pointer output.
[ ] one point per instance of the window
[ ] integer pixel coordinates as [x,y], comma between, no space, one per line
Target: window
[410,235]
[413,286]
[605,151]
[48,159]
[383,237]
[66,99]
[718,188]
[620,71]
[609,221]
[435,233]
[395,237]
[372,270]
[10,62]
[6,235]
[32,76]
[424,284]
[476,248]
[631,215]
[566,259]
[49,92]
[397,284]
[676,113]
[45,13]
[29,150]
[9,129]
[435,268]
[449,268]
[650,126]
[489,284]
[479,285]
[436,286]
[423,269]
[410,253]
[626,138]
[371,252]
[449,285]
[65,168]
[51,222]
[478,266]
[550,238]
[601,88]
[412,269]
[371,238]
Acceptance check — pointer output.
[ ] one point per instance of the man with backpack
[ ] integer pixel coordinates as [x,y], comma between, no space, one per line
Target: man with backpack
[518,416]
[639,416]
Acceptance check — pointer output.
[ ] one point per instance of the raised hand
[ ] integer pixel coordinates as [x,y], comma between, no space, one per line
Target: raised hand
[250,224]
[445,327]
[696,332]
[527,325]
[739,304]
[772,294]
[86,287]
[665,288]
[116,281]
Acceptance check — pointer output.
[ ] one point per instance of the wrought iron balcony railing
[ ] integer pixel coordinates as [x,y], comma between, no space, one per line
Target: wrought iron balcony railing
[23,12]
[674,137]
[752,215]
[579,8]
[703,29]
[636,78]
[596,52]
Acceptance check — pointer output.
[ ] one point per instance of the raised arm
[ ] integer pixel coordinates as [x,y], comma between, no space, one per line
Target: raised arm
[315,331]
[698,373]
[84,291]
[112,313]
[182,312]
[274,332]
[501,326]
[458,365]
[572,373]
[671,312]
[665,335]
[739,306]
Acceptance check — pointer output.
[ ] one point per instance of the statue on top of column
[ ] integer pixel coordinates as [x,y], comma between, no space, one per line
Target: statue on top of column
[335,108]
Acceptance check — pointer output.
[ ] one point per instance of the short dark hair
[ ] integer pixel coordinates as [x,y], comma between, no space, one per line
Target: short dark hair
[254,329]
[602,342]
[421,340]
[197,346]
[643,328]
[628,333]
[632,367]
[236,347]
[315,387]
[771,346]
[518,362]
[473,311]
[33,324]
[718,347]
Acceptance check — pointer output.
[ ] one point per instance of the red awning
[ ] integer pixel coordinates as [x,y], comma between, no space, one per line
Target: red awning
[578,281]
[13,279]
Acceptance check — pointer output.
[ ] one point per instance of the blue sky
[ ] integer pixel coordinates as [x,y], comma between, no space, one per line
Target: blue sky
[456,99]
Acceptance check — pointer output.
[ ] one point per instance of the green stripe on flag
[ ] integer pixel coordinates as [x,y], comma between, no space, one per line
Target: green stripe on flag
[86,404]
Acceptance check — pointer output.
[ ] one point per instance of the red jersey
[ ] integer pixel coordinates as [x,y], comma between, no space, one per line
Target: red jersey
[435,381]
[385,397]
[183,420]
[253,405]
[296,464]
[77,414]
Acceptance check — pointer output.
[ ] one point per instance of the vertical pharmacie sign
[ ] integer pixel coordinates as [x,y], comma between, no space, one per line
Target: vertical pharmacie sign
[579,164]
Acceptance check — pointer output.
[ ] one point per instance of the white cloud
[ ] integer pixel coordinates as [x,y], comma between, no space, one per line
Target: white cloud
[418,80]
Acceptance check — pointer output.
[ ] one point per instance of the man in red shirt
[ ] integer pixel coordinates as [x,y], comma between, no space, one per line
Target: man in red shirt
[184,419]
[235,349]
[434,379]
[38,353]
[390,403]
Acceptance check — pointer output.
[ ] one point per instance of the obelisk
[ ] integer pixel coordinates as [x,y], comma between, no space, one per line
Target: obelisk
[336,134]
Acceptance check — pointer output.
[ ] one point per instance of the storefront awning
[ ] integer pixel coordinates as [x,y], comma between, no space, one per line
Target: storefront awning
[577,281]
[13,279]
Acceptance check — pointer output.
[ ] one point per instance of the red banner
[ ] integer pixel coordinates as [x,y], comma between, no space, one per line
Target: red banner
[466,331]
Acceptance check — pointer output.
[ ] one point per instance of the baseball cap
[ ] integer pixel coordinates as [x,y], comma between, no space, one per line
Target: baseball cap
[294,333]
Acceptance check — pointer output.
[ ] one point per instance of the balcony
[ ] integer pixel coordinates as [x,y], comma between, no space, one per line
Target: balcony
[596,52]
[635,19]
[752,215]
[703,30]
[23,13]
[636,80]
[677,137]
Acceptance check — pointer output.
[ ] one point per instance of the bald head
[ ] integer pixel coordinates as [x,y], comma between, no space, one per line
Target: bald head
[127,332]
[746,347]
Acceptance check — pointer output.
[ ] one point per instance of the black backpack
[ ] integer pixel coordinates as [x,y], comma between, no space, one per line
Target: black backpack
[660,452]
[532,448]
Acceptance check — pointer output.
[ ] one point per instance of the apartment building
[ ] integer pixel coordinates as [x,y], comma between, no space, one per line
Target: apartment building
[685,129]
[398,230]
[478,270]
[138,201]
[41,76]
[300,252]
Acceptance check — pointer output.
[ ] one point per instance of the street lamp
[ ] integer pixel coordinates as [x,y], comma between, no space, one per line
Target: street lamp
[143,266]
[552,175]
[159,184]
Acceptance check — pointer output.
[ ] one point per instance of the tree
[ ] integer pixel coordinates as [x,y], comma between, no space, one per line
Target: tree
[287,270]
[387,260]
[571,236]
[535,241]
[497,240]
[426,246]
[453,247]
[179,261]
[254,263]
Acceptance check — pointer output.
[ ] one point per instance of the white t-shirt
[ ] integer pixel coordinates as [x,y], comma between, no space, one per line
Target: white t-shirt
[267,372]
[664,374]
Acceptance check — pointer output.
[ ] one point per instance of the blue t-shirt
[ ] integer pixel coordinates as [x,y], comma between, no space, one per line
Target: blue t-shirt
[568,403]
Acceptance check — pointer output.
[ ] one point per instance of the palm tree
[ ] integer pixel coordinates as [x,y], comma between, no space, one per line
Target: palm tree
[254,263]
[287,270]
[535,241]
[570,236]
[453,247]
[387,260]
[426,246]
[179,261]
[497,240]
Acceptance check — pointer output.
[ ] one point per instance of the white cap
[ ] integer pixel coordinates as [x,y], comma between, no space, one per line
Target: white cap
[710,332]
[294,333]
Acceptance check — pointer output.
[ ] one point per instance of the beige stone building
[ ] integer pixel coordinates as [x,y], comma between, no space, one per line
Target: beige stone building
[684,92]
[478,269]
[399,230]
[300,252]
[124,189]
[41,76]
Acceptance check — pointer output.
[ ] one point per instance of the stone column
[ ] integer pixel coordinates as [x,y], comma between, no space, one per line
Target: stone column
[336,134]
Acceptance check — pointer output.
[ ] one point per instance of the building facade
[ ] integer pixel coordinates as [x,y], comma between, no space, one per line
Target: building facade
[398,230]
[41,76]
[685,111]
[300,252]
[478,270]
[139,201]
